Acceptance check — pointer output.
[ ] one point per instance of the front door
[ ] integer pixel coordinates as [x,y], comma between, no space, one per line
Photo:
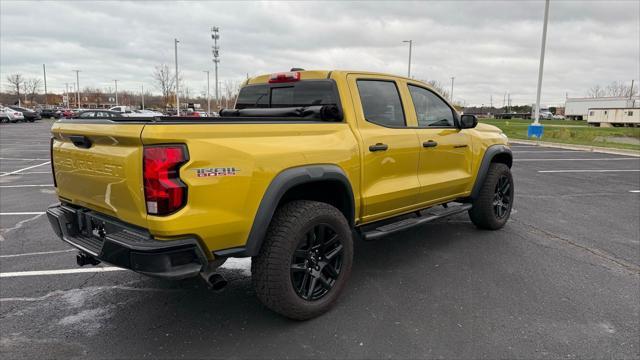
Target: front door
[444,170]
[389,148]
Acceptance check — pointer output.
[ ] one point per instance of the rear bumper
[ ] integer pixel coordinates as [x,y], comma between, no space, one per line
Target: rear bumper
[124,245]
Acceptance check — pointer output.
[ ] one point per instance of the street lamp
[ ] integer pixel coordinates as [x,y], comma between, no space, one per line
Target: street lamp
[535,129]
[208,97]
[451,96]
[410,46]
[116,81]
[177,88]
[77,88]
[215,51]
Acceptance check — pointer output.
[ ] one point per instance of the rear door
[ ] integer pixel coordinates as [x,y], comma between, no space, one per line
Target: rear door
[389,147]
[98,165]
[444,169]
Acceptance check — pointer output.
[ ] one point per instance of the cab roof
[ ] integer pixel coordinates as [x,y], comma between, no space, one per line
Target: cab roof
[322,74]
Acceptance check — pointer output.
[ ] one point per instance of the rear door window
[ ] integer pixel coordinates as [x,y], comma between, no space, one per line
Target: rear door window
[381,103]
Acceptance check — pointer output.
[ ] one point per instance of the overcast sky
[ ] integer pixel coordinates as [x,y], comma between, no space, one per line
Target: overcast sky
[490,47]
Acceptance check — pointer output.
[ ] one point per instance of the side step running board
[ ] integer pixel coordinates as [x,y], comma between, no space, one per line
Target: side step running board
[428,215]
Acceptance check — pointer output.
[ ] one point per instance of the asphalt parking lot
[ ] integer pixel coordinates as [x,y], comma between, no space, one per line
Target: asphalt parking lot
[561,280]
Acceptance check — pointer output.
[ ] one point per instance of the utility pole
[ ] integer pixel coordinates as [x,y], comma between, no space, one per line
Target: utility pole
[116,81]
[175,43]
[508,102]
[208,96]
[77,88]
[44,70]
[410,48]
[142,95]
[540,69]
[66,105]
[451,97]
[215,50]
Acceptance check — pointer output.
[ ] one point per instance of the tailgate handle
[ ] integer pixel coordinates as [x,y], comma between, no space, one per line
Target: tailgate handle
[80,141]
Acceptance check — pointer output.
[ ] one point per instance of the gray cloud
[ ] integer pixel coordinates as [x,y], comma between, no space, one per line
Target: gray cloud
[490,47]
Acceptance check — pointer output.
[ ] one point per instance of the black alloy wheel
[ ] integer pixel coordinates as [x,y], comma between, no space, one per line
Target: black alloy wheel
[317,262]
[502,197]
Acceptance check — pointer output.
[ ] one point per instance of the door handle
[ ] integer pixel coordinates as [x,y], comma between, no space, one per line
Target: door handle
[460,146]
[378,147]
[429,144]
[80,141]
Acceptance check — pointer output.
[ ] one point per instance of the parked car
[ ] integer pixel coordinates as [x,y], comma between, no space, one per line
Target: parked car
[98,113]
[50,113]
[290,180]
[558,117]
[147,112]
[29,115]
[12,115]
[67,113]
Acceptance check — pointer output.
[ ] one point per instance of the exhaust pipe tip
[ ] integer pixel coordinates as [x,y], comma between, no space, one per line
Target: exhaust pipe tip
[217,282]
[83,259]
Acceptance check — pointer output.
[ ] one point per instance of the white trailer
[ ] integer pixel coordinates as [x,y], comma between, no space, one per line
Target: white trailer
[578,108]
[608,117]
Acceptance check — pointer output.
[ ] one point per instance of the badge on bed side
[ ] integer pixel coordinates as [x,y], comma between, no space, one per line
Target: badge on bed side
[218,171]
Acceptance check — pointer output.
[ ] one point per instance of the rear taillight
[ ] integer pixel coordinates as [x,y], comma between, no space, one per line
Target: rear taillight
[163,191]
[53,169]
[284,77]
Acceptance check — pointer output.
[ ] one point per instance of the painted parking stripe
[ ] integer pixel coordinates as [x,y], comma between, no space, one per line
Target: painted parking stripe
[23,186]
[28,173]
[586,159]
[544,151]
[634,191]
[59,272]
[37,253]
[23,169]
[24,159]
[23,213]
[586,171]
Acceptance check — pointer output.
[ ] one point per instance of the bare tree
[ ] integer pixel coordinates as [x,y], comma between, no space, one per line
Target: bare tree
[231,89]
[16,81]
[615,88]
[164,81]
[438,87]
[31,87]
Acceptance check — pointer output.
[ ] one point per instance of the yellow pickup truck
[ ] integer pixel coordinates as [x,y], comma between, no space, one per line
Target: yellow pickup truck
[306,162]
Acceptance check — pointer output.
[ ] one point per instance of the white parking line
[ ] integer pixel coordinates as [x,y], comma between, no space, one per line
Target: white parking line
[23,169]
[585,171]
[634,191]
[58,272]
[23,159]
[22,213]
[28,173]
[23,186]
[585,159]
[38,253]
[544,152]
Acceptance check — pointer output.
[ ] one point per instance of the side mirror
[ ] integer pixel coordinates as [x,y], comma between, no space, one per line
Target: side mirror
[468,121]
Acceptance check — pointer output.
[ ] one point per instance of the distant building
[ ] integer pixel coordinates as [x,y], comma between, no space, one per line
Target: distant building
[578,108]
[607,117]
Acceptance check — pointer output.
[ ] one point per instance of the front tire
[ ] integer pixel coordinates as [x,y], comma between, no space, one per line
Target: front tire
[305,260]
[492,208]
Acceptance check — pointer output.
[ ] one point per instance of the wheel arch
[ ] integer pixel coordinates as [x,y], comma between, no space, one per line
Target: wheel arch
[493,154]
[329,183]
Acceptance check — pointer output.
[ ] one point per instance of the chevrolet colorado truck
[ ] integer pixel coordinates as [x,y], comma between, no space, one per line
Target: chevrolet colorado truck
[306,162]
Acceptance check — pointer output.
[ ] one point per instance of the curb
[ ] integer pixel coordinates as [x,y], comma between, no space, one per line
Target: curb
[596,149]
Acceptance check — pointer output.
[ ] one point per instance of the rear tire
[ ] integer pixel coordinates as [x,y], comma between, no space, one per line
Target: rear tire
[305,260]
[492,208]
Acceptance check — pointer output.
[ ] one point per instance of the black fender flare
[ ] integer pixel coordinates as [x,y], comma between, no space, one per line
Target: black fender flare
[284,181]
[491,152]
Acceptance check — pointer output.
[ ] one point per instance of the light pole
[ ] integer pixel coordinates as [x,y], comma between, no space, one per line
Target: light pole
[142,94]
[208,96]
[544,42]
[77,88]
[67,95]
[44,70]
[215,50]
[175,43]
[410,47]
[116,81]
[451,96]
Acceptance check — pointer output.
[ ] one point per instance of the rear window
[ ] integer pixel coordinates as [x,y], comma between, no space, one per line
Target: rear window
[296,94]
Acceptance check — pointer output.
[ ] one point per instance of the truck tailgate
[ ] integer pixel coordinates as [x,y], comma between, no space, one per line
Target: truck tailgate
[99,166]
